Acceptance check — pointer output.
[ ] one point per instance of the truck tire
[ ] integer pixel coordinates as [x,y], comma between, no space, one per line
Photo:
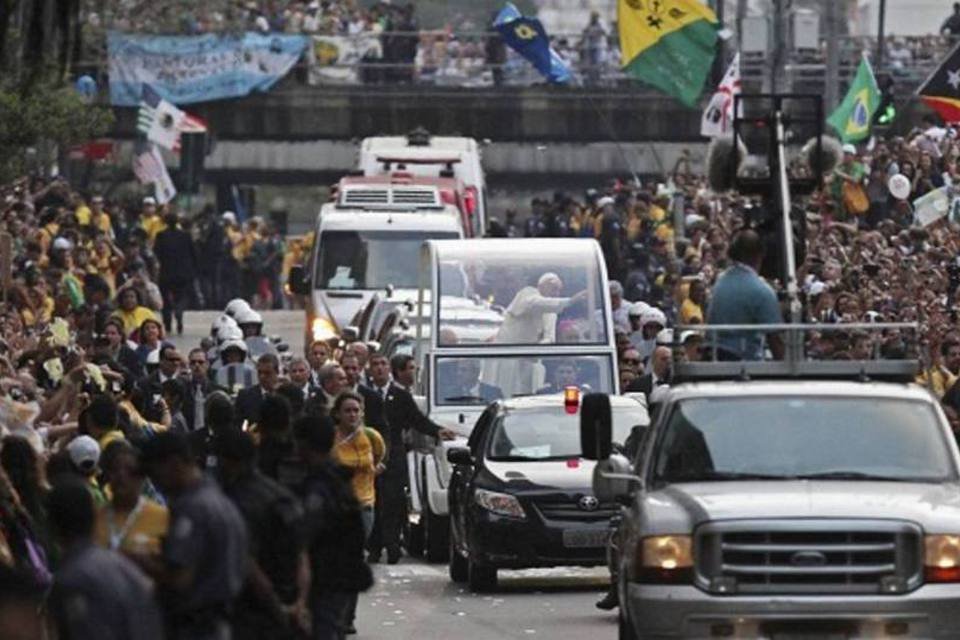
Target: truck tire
[459,567]
[437,529]
[481,579]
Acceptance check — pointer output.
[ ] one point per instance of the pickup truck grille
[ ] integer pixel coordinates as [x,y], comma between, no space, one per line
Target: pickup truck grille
[808,556]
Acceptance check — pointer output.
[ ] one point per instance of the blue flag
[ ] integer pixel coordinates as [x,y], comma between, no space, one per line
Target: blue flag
[527,37]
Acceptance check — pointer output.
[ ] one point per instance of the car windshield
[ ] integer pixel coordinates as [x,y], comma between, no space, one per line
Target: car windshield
[371,259]
[803,437]
[550,433]
[481,380]
[546,293]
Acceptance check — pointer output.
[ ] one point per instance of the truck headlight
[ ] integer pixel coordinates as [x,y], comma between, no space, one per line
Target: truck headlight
[941,558]
[502,504]
[322,329]
[664,559]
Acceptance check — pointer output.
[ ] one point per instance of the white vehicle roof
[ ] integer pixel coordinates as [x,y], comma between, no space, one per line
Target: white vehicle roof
[812,388]
[555,400]
[454,144]
[333,220]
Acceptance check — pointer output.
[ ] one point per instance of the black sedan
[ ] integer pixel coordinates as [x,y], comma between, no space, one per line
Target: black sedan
[520,493]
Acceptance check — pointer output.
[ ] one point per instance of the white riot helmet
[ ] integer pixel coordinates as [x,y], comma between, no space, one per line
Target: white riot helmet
[637,309]
[653,315]
[219,324]
[234,343]
[234,307]
[228,333]
[249,321]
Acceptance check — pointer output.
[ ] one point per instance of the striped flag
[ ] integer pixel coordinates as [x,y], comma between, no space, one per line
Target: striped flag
[149,168]
[158,119]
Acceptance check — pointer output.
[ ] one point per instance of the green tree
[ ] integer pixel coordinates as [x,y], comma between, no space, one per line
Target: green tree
[43,119]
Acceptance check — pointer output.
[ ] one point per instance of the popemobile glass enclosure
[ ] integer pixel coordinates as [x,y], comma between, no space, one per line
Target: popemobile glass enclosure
[514,317]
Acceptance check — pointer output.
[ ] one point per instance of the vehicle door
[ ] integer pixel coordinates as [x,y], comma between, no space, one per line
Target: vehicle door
[461,481]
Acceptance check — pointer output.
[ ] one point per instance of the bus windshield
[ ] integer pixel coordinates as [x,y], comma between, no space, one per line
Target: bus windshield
[371,259]
[546,294]
[479,380]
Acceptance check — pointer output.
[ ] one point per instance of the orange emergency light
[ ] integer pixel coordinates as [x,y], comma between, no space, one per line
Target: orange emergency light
[571,399]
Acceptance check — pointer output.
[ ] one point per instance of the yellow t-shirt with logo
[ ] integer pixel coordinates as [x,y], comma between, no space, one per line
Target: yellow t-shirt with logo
[143,535]
[361,452]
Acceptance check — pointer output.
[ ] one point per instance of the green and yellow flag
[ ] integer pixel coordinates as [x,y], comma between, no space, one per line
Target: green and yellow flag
[853,117]
[669,44]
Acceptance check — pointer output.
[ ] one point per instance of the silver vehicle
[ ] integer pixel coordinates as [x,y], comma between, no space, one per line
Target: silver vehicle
[788,507]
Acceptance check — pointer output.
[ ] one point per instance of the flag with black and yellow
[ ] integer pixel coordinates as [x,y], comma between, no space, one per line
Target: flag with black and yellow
[941,91]
[669,44]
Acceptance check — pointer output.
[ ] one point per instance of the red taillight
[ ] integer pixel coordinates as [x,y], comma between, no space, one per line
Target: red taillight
[447,196]
[941,574]
[470,200]
[571,399]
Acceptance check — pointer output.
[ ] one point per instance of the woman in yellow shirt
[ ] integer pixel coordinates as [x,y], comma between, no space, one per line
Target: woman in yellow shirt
[130,522]
[359,449]
[131,312]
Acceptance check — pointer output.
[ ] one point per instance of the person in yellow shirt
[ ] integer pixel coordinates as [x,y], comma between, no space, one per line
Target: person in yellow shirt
[691,311]
[98,217]
[81,210]
[131,312]
[359,449]
[151,221]
[942,376]
[130,522]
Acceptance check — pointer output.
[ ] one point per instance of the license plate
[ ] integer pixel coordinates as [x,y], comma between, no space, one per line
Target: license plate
[585,538]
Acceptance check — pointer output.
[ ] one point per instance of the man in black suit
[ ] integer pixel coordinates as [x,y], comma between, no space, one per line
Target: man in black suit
[198,386]
[149,388]
[250,399]
[459,382]
[400,413]
[299,373]
[375,394]
[175,253]
[660,373]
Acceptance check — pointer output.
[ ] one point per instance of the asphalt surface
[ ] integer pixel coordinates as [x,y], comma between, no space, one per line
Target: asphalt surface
[414,600]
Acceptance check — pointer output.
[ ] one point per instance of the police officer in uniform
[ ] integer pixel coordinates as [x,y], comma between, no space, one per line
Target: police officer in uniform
[203,564]
[273,599]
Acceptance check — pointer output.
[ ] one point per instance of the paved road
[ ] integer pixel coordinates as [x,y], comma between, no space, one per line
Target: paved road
[413,600]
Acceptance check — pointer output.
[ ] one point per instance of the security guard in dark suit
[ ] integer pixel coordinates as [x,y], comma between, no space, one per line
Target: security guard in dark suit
[400,413]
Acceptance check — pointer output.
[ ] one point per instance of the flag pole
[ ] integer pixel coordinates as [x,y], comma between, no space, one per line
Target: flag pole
[619,145]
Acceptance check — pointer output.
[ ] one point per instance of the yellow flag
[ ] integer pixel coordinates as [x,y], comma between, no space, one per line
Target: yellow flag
[644,22]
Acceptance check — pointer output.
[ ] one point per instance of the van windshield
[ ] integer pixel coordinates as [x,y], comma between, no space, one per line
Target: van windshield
[815,438]
[372,259]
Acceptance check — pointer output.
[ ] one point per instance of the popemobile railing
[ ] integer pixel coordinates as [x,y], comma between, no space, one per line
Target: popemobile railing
[901,362]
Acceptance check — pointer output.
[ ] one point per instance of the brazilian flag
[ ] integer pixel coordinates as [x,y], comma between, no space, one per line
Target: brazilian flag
[669,44]
[853,117]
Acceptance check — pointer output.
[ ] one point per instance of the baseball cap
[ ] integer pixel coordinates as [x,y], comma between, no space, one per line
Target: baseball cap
[62,244]
[604,201]
[849,148]
[150,200]
[84,453]
[229,216]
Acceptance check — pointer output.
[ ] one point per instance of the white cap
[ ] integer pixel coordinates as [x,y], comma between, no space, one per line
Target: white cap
[84,453]
[653,315]
[150,200]
[229,216]
[62,244]
[693,219]
[686,335]
[849,148]
[604,201]
[637,309]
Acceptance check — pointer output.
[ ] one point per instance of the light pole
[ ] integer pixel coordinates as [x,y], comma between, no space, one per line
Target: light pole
[881,27]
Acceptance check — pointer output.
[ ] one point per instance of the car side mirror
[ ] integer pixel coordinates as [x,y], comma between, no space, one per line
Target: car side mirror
[614,480]
[297,280]
[460,455]
[596,426]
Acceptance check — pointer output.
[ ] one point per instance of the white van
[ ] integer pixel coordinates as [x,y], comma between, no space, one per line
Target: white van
[358,252]
[421,154]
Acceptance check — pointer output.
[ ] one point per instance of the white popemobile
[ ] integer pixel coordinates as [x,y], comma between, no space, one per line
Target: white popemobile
[554,329]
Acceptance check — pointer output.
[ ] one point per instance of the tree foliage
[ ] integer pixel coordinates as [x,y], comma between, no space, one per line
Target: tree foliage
[38,123]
